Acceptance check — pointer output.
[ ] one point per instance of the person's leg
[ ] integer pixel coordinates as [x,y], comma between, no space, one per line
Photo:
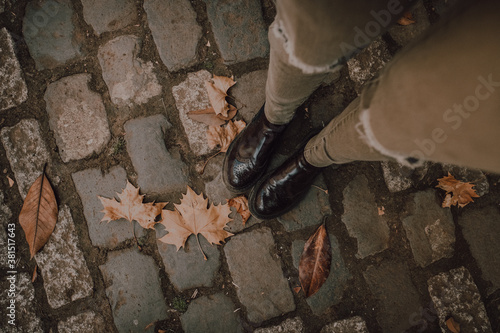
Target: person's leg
[437,100]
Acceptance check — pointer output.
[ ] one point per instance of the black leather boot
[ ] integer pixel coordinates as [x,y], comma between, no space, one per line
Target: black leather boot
[250,152]
[283,188]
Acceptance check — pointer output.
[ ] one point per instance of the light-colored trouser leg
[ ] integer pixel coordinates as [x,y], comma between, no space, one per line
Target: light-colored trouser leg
[309,39]
[437,100]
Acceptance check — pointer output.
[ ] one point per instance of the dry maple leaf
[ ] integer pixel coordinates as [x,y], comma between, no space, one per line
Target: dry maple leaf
[241,205]
[131,207]
[223,136]
[38,216]
[217,93]
[195,216]
[208,116]
[457,192]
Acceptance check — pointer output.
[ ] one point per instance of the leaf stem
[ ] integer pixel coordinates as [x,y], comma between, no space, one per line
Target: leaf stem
[199,245]
[319,188]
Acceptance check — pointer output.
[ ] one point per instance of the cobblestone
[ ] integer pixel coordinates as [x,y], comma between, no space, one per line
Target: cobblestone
[129,78]
[77,117]
[239,29]
[291,325]
[257,274]
[396,176]
[133,290]
[64,269]
[351,325]
[250,93]
[333,289]
[429,228]
[186,268]
[13,89]
[26,151]
[157,170]
[86,322]
[211,314]
[481,229]
[109,15]
[455,294]
[175,31]
[309,211]
[391,284]
[405,34]
[91,183]
[191,95]
[50,33]
[362,219]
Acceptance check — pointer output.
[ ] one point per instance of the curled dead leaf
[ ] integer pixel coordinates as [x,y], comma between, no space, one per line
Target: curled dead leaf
[453,325]
[406,19]
[38,216]
[223,136]
[457,192]
[217,93]
[241,205]
[315,261]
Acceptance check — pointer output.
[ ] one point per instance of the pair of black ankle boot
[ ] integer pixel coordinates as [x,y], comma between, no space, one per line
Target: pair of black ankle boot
[246,162]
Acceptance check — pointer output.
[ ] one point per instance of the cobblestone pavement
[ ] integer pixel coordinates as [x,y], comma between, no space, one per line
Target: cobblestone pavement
[99,90]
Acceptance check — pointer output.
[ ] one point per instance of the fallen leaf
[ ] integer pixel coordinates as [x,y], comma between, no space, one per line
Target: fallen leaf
[297,289]
[452,325]
[195,216]
[209,117]
[11,182]
[38,216]
[457,192]
[131,208]
[217,93]
[406,19]
[381,210]
[223,136]
[315,261]
[241,205]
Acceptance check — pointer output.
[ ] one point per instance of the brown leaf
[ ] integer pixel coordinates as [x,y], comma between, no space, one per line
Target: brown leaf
[457,192]
[208,116]
[223,136]
[453,325]
[35,274]
[217,93]
[406,19]
[195,216]
[131,207]
[241,205]
[314,266]
[38,216]
[11,182]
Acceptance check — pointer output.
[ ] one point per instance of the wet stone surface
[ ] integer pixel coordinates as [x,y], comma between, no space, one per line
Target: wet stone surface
[77,116]
[86,322]
[109,15]
[169,18]
[260,284]
[133,290]
[64,270]
[211,314]
[13,89]
[157,170]
[455,294]
[351,325]
[291,325]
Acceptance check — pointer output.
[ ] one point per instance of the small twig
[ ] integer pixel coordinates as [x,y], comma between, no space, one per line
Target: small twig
[206,162]
[135,237]
[199,245]
[319,188]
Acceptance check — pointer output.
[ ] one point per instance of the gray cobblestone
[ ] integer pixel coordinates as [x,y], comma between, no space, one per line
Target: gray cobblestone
[109,15]
[256,271]
[192,95]
[481,229]
[129,78]
[77,117]
[175,31]
[26,151]
[50,33]
[86,322]
[350,325]
[391,284]
[157,170]
[455,294]
[250,93]
[291,325]
[239,29]
[91,183]
[397,177]
[13,89]
[64,269]
[405,34]
[429,228]
[362,219]
[211,314]
[133,290]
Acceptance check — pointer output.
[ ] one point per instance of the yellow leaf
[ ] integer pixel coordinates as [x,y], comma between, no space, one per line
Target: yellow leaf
[223,136]
[217,93]
[195,216]
[241,205]
[457,192]
[131,208]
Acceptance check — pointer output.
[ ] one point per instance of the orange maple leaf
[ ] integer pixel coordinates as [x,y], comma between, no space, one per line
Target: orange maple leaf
[131,208]
[217,93]
[457,192]
[241,205]
[223,136]
[195,216]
